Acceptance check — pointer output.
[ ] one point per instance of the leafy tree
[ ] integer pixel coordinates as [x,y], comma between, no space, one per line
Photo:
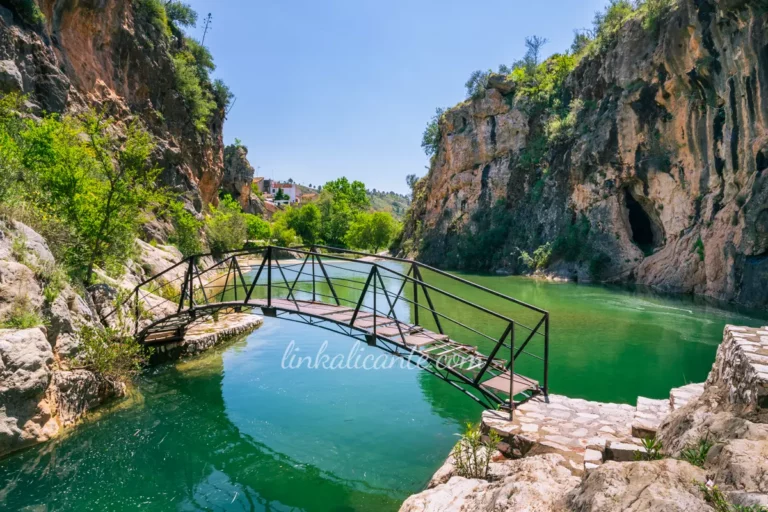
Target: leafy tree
[222,95]
[533,45]
[281,196]
[202,57]
[371,231]
[307,223]
[477,83]
[336,217]
[430,140]
[283,235]
[258,228]
[226,226]
[180,13]
[581,40]
[186,235]
[353,194]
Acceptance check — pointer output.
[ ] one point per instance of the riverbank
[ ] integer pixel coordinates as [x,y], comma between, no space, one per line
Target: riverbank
[576,455]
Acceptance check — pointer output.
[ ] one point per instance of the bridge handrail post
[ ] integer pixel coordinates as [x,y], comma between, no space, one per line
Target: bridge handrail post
[415,298]
[136,313]
[312,250]
[512,372]
[376,270]
[546,354]
[269,276]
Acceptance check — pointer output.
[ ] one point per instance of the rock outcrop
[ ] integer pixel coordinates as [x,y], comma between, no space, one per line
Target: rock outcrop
[727,413]
[112,57]
[238,176]
[662,178]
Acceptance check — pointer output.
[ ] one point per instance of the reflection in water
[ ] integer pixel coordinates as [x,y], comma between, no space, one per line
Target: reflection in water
[232,430]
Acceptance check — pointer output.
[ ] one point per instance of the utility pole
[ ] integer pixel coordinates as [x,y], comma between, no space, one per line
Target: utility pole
[208,20]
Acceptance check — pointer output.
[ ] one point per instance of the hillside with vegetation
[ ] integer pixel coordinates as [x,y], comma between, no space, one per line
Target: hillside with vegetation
[637,155]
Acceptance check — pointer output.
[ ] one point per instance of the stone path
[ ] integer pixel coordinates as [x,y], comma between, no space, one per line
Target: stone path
[586,433]
[206,334]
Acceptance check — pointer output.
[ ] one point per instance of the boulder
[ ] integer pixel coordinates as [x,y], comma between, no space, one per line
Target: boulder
[25,373]
[532,484]
[35,244]
[10,77]
[659,486]
[740,464]
[18,285]
[79,391]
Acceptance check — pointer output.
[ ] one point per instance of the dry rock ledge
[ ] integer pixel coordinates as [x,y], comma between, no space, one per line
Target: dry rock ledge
[579,456]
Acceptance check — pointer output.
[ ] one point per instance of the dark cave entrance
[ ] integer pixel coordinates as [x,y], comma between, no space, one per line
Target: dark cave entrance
[640,224]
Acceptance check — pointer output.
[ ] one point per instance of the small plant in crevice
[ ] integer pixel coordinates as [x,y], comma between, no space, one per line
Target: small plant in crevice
[697,453]
[116,356]
[472,454]
[699,248]
[653,450]
[22,315]
[719,502]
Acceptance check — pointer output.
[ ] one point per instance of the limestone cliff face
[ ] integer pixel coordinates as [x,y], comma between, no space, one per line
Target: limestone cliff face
[662,181]
[101,54]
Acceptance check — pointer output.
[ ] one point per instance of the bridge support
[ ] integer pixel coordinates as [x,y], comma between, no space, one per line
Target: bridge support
[270,312]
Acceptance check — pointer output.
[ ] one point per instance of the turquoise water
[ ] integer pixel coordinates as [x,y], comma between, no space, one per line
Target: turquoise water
[234,430]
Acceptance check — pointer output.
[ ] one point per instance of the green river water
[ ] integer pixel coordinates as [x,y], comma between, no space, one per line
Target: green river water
[234,430]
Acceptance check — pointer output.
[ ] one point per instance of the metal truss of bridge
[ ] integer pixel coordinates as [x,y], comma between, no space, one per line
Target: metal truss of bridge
[457,330]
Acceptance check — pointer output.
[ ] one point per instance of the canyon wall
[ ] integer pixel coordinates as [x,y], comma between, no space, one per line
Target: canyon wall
[109,55]
[661,181]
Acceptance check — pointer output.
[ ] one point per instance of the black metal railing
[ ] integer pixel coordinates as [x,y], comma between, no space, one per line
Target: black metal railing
[390,299]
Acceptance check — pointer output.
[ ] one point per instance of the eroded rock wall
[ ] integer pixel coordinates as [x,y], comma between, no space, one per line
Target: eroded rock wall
[663,176]
[100,54]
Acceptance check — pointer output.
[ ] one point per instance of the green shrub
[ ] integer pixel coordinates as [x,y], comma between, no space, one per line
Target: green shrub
[699,248]
[28,11]
[477,83]
[22,315]
[186,235]
[258,228]
[653,450]
[572,246]
[472,454]
[283,235]
[540,258]
[717,499]
[198,100]
[430,139]
[225,226]
[153,11]
[222,95]
[697,454]
[54,279]
[116,356]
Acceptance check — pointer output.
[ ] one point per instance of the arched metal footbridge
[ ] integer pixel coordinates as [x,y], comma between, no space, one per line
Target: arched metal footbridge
[488,345]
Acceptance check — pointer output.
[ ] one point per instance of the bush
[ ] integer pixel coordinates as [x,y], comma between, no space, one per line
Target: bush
[116,356]
[653,450]
[199,101]
[430,139]
[283,235]
[226,226]
[697,454]
[472,455]
[186,235]
[477,83]
[540,258]
[371,231]
[22,315]
[258,228]
[153,12]
[28,11]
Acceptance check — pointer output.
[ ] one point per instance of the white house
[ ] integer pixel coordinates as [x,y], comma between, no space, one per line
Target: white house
[290,189]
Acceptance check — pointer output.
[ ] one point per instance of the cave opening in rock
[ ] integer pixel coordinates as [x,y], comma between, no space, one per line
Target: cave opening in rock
[640,225]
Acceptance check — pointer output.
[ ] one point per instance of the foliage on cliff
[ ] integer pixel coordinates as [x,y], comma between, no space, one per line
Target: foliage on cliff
[75,182]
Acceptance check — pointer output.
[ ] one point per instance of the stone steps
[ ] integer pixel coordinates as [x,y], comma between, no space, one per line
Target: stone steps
[678,397]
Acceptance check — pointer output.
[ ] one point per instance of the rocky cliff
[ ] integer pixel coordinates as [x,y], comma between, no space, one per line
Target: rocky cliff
[110,55]
[659,181]
[237,179]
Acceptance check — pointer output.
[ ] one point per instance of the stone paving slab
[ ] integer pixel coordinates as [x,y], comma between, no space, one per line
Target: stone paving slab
[578,429]
[648,416]
[678,397]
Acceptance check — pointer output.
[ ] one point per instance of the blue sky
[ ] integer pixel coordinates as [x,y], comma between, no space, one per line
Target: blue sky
[344,88]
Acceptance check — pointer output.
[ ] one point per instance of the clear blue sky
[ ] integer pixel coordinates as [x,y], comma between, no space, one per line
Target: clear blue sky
[345,87]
